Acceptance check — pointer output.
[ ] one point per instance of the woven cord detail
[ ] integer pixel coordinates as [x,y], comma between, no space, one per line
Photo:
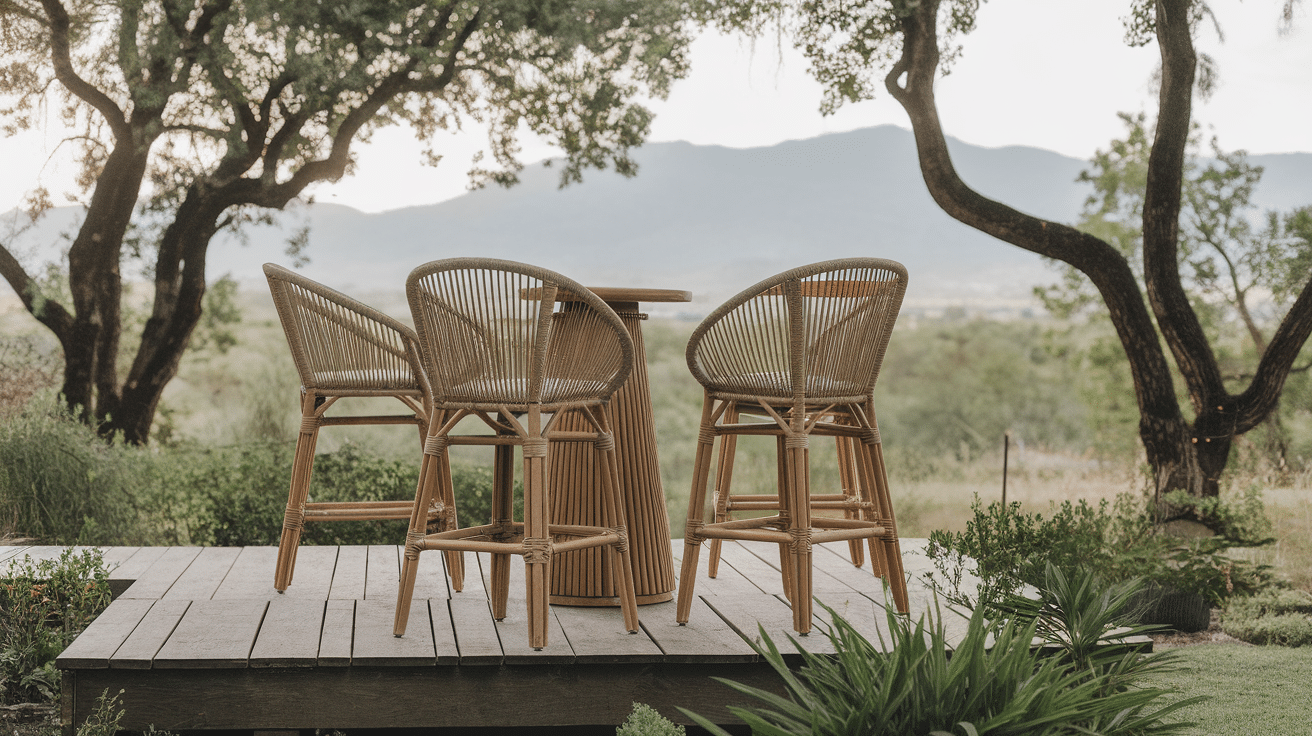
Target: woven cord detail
[800,540]
[605,442]
[692,532]
[797,442]
[623,532]
[412,541]
[870,436]
[706,435]
[537,550]
[293,518]
[435,444]
[310,425]
[535,447]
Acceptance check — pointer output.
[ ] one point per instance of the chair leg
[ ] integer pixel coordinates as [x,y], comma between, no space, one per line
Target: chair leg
[781,483]
[848,477]
[692,542]
[537,537]
[891,547]
[294,518]
[503,478]
[797,497]
[723,483]
[429,472]
[621,562]
[455,559]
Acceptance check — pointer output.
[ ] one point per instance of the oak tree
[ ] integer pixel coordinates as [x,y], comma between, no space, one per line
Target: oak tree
[858,47]
[197,115]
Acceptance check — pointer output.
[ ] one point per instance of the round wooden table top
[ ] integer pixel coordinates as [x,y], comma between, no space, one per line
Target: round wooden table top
[612,294]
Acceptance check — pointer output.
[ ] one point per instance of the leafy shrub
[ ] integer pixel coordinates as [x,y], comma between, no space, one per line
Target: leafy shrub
[105,717]
[1271,617]
[1007,549]
[646,721]
[62,484]
[44,605]
[993,683]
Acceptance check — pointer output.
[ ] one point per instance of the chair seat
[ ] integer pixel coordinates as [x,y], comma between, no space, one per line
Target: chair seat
[373,378]
[515,391]
[776,385]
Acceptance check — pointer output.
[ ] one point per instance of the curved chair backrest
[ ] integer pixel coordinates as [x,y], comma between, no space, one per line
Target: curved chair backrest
[490,335]
[340,345]
[818,332]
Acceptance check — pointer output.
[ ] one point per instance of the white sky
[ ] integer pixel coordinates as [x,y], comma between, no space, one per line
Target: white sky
[1045,73]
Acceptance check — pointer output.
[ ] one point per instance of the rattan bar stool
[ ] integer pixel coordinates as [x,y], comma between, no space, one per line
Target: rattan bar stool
[498,345]
[849,498]
[803,350]
[343,348]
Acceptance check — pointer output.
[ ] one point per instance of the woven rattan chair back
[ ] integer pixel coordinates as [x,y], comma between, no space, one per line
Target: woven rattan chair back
[802,351]
[490,335]
[498,344]
[341,348]
[818,333]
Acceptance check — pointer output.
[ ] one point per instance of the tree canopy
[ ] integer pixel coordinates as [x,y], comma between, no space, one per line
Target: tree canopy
[198,115]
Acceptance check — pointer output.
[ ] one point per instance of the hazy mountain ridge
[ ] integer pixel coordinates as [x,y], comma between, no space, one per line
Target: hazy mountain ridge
[713,220]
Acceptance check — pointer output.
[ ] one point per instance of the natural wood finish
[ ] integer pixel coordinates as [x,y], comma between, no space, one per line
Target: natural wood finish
[619,295]
[343,348]
[582,578]
[494,348]
[800,350]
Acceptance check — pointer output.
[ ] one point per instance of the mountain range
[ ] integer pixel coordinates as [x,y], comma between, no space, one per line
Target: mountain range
[712,220]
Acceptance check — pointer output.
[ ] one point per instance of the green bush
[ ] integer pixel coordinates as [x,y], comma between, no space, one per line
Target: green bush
[44,605]
[1007,549]
[1281,617]
[646,721]
[62,484]
[991,681]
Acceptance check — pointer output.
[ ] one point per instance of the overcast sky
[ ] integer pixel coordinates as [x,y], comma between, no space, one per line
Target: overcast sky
[1045,73]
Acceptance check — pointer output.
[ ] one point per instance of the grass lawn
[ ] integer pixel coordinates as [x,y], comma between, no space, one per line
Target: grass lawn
[1251,690]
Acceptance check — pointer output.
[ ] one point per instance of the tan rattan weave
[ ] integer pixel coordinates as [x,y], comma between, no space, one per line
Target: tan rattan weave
[343,348]
[500,346]
[800,350]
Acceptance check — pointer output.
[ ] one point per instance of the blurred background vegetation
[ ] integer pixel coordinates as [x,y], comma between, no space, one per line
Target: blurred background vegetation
[953,384]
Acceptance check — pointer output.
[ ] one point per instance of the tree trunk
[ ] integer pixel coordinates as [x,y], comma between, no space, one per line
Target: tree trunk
[1179,456]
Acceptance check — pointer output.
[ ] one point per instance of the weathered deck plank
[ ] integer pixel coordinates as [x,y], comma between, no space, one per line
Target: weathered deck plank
[338,632]
[139,649]
[349,573]
[290,633]
[204,575]
[93,649]
[376,646]
[155,582]
[476,635]
[213,635]
[251,575]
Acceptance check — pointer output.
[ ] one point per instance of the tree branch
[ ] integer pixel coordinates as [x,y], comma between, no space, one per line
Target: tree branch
[60,57]
[1161,211]
[48,312]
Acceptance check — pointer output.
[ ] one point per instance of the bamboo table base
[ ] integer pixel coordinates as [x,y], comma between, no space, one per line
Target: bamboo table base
[581,577]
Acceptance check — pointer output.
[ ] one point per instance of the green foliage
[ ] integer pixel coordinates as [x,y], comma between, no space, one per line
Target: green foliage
[105,717]
[646,721]
[991,681]
[1006,549]
[1276,616]
[44,605]
[62,484]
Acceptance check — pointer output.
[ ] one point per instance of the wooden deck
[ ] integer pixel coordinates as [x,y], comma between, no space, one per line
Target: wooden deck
[199,639]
